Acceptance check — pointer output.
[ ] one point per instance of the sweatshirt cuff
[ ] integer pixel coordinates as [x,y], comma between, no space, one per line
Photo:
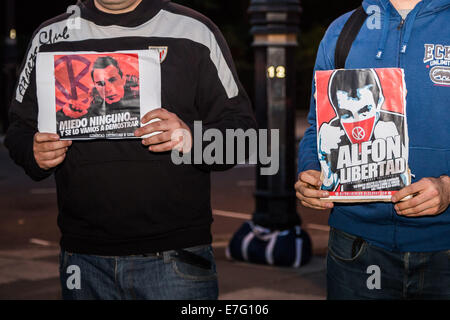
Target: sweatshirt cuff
[34,171]
[309,165]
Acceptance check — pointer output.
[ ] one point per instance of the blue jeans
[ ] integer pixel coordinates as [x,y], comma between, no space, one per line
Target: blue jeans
[189,274]
[358,270]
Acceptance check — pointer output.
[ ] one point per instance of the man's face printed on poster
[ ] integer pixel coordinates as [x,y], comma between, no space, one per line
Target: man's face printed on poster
[109,84]
[357,108]
[357,115]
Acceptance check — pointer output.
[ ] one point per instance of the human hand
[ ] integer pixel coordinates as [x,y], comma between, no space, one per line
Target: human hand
[308,191]
[174,133]
[49,151]
[430,196]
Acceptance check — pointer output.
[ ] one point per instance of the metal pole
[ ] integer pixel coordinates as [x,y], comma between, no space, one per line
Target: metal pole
[9,62]
[275,28]
[280,241]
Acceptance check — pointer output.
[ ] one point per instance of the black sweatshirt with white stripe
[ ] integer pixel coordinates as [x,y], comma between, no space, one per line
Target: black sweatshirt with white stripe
[116,197]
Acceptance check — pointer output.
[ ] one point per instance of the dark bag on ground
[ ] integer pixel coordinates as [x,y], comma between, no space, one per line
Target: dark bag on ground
[288,248]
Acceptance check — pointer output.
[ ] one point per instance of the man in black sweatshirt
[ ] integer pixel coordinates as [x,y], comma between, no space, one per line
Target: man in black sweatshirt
[134,224]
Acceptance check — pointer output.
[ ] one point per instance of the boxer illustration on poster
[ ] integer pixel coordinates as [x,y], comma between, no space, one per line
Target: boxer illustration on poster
[362,133]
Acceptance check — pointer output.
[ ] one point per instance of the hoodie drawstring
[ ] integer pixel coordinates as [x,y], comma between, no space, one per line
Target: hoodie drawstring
[383,40]
[409,26]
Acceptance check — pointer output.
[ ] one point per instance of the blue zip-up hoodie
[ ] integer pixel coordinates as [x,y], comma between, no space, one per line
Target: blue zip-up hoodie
[417,45]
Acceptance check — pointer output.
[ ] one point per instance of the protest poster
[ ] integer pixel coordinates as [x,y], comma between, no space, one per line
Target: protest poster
[362,135]
[92,95]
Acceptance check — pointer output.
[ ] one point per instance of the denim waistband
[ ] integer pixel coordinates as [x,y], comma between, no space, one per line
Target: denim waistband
[156,255]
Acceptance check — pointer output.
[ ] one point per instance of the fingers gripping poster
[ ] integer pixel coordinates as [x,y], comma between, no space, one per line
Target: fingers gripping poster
[362,136]
[86,95]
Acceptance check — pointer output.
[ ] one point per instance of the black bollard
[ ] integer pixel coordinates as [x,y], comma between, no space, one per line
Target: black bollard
[8,63]
[275,26]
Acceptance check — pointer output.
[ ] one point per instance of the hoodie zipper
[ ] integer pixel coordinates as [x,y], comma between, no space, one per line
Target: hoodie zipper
[393,212]
[400,28]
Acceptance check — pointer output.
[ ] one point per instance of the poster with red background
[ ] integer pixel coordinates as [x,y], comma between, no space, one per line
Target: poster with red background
[86,95]
[362,133]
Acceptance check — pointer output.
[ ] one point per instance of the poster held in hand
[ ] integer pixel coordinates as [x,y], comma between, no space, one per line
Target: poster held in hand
[362,135]
[92,95]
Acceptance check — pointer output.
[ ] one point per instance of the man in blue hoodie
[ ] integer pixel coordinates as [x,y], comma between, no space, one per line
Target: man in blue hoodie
[398,250]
